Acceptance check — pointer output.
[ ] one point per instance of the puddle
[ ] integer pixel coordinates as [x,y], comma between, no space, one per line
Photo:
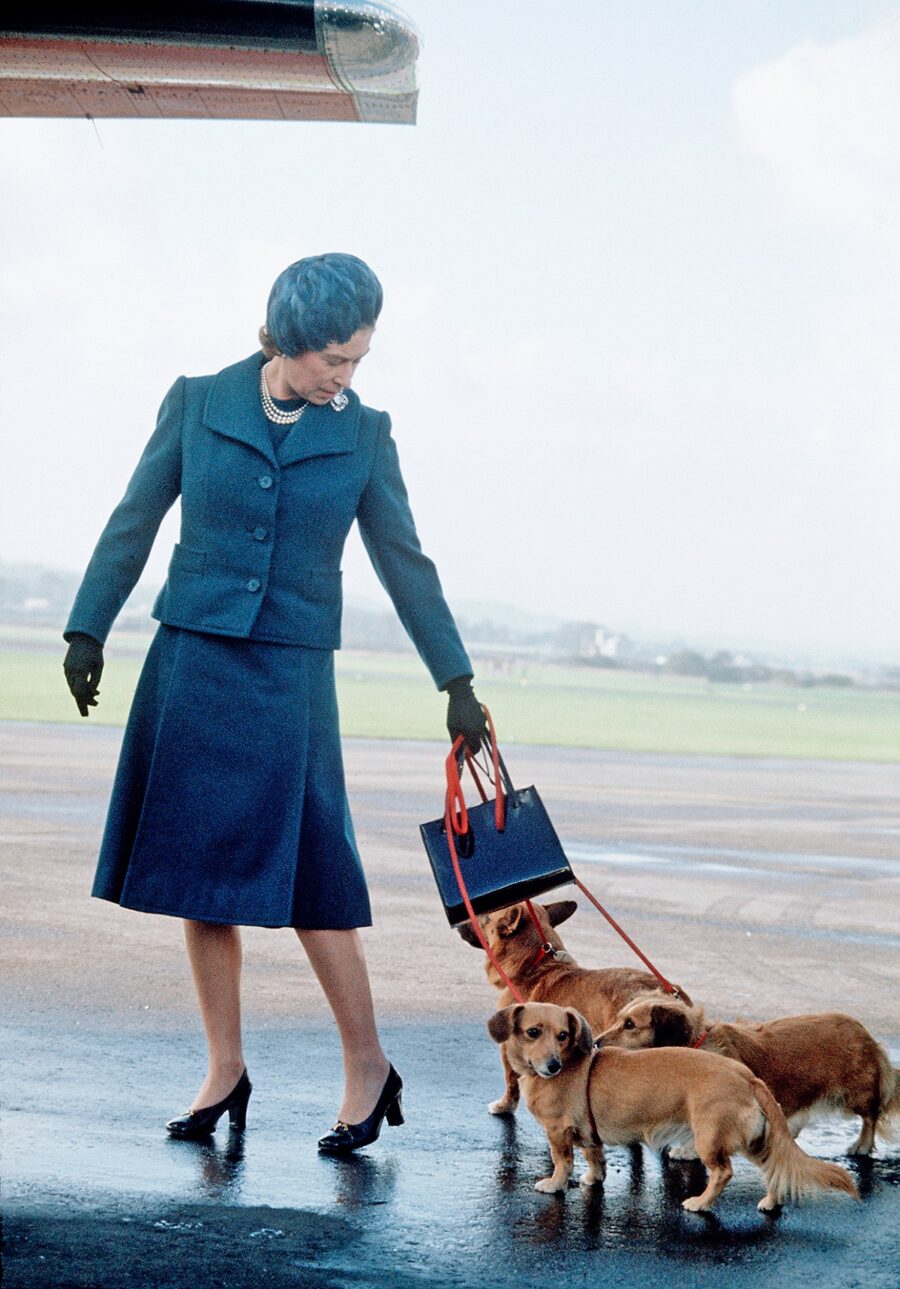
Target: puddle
[755,863]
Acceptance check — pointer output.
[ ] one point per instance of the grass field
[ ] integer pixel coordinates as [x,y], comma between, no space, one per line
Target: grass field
[391,696]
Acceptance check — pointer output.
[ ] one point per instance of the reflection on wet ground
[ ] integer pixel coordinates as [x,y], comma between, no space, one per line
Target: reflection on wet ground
[447,1199]
[219,1164]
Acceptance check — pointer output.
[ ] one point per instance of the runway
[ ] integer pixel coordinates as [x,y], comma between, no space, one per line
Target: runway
[765,888]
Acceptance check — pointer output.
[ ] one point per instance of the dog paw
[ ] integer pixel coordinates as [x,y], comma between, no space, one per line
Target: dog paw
[547,1186]
[503,1106]
[589,1179]
[769,1205]
[694,1204]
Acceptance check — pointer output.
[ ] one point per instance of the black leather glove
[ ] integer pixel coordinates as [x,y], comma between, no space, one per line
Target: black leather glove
[83,666]
[465,714]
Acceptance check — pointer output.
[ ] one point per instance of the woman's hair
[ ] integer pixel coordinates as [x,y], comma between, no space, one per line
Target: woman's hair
[318,301]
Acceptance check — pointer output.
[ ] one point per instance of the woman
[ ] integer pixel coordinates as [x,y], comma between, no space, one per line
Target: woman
[229,806]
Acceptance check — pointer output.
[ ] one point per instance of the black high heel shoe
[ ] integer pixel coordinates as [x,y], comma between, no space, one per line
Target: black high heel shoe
[200,1123]
[351,1136]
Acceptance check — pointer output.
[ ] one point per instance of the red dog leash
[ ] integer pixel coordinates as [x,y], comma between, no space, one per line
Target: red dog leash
[666,984]
[456,822]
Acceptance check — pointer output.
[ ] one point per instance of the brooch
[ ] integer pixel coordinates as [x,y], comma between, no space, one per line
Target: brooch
[339,402]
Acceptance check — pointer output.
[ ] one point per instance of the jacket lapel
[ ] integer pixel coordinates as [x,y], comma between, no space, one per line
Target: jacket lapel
[233,408]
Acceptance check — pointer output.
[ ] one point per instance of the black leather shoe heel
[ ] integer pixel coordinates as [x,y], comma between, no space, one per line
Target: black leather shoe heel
[200,1123]
[351,1136]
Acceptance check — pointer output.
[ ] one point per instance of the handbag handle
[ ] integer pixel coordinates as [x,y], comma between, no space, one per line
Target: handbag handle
[455,802]
[456,820]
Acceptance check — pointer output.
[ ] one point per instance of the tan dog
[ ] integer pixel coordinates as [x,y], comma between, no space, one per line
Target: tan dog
[553,978]
[585,1097]
[809,1062]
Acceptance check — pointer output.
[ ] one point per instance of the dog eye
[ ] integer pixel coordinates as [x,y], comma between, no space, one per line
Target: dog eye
[629,1024]
[563,1035]
[534,1032]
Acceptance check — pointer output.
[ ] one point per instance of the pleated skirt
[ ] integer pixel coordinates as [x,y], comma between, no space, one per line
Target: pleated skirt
[229,803]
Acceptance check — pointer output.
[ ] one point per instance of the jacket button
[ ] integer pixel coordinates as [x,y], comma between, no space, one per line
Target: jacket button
[254,584]
[260,533]
[265,481]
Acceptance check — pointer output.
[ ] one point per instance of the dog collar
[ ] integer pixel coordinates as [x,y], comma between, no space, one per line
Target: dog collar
[545,951]
[698,1042]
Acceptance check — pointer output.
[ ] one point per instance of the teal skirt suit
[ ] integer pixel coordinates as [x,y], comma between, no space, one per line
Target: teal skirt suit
[229,803]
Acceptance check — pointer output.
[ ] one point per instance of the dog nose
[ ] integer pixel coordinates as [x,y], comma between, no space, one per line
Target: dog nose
[554,1066]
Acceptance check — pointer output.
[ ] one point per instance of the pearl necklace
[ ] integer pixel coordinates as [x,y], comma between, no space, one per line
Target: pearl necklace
[273,413]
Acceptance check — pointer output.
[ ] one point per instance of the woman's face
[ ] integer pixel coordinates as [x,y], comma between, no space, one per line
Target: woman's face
[320,374]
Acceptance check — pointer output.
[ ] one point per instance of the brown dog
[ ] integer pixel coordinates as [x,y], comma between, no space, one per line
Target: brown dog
[584,1096]
[809,1062]
[554,977]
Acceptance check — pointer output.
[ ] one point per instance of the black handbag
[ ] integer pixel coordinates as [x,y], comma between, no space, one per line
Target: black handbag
[487,856]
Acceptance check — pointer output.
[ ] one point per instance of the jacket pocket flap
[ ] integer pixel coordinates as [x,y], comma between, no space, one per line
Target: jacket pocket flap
[323,583]
[186,560]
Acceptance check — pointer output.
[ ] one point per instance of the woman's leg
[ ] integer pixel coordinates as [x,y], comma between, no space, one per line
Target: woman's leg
[215,957]
[338,960]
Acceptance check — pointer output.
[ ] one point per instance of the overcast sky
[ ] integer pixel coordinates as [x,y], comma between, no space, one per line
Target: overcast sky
[642,323]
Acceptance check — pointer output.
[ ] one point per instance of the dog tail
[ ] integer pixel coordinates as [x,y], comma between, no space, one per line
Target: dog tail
[887,1124]
[789,1171]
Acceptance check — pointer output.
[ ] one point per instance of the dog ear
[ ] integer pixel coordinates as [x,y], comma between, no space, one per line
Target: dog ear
[467,933]
[671,1028]
[509,920]
[580,1037]
[502,1024]
[560,911]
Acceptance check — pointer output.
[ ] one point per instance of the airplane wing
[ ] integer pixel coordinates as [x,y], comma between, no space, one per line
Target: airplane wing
[296,60]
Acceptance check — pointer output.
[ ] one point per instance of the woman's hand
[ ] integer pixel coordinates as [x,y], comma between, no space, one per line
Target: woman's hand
[83,666]
[465,715]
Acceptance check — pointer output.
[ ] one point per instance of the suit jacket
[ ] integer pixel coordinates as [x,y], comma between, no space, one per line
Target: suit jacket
[263,529]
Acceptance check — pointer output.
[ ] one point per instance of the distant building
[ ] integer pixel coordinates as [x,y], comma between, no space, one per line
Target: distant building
[613,645]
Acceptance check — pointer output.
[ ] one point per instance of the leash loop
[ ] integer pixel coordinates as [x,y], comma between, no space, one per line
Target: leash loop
[456,823]
[473,916]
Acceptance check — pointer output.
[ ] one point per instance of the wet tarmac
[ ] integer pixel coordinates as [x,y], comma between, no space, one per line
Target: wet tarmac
[99,1196]
[101,1044]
